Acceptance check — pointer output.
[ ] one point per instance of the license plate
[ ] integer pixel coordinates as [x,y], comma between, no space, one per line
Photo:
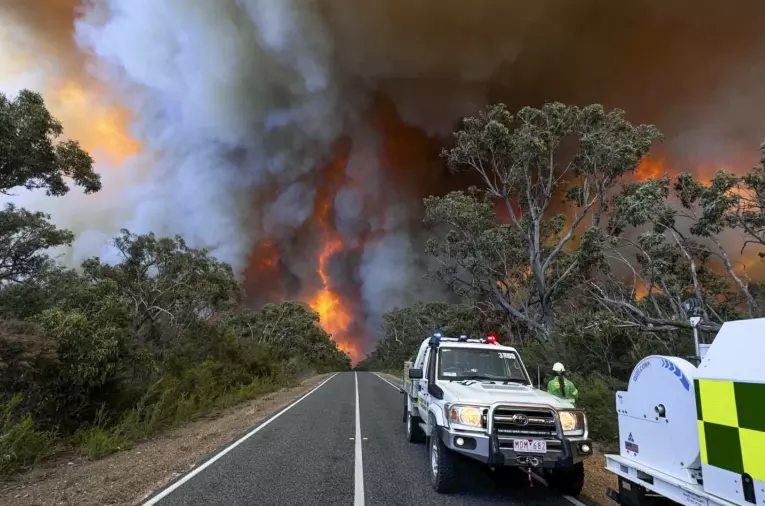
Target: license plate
[530,445]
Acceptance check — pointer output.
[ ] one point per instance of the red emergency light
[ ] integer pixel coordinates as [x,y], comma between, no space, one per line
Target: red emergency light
[491,339]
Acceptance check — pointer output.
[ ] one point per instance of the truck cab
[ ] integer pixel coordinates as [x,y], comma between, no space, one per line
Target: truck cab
[474,397]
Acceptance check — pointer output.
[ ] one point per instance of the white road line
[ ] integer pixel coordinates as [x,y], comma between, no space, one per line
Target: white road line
[359,467]
[572,500]
[388,382]
[171,488]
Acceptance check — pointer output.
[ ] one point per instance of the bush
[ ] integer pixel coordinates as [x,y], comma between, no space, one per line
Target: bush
[597,394]
[96,442]
[21,444]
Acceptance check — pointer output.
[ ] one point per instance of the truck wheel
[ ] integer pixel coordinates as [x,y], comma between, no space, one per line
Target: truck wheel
[568,480]
[414,432]
[443,465]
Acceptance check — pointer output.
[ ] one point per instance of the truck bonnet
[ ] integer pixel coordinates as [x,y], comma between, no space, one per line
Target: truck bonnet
[486,393]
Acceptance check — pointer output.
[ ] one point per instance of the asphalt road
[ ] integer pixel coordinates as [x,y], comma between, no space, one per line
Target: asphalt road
[308,455]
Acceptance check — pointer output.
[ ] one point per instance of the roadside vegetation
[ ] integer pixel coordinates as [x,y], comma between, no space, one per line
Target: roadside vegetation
[564,252]
[100,357]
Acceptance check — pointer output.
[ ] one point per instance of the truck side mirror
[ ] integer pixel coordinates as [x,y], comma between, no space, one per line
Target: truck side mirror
[415,374]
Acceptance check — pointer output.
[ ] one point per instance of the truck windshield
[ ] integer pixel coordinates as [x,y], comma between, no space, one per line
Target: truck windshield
[457,364]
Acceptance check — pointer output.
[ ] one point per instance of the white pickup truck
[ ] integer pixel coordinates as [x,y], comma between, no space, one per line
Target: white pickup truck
[474,397]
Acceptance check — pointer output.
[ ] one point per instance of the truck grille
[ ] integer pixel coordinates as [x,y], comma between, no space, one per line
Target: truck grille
[509,421]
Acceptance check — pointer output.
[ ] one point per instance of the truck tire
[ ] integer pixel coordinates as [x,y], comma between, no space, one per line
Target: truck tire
[414,433]
[443,464]
[568,480]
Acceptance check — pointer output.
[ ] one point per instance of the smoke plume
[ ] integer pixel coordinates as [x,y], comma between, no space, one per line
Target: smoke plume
[271,129]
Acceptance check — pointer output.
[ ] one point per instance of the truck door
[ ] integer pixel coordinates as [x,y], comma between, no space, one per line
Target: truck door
[423,398]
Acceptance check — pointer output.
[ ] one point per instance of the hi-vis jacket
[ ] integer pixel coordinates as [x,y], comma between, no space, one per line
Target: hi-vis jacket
[570,393]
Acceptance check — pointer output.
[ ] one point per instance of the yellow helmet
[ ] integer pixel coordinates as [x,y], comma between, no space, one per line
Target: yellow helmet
[558,368]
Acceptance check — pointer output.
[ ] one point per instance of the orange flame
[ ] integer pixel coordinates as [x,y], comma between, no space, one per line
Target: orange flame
[335,318]
[651,168]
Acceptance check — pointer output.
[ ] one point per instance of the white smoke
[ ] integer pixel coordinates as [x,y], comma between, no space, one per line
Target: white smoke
[234,98]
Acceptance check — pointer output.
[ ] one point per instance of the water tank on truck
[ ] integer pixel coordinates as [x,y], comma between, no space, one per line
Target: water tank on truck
[657,417]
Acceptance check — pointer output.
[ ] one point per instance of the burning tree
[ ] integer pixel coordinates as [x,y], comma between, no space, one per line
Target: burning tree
[525,263]
[687,250]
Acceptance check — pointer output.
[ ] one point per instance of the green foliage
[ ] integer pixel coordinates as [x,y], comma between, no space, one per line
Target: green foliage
[525,262]
[25,237]
[31,156]
[26,354]
[21,443]
[291,331]
[114,353]
[97,442]
[597,397]
[104,382]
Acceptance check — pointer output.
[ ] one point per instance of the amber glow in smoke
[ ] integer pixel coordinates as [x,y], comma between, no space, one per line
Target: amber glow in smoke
[97,128]
[48,63]
[657,166]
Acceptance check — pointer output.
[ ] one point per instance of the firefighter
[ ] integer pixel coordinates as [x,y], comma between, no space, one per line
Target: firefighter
[562,387]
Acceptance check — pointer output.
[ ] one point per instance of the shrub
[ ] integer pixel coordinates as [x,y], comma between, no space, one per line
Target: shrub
[597,394]
[21,444]
[97,442]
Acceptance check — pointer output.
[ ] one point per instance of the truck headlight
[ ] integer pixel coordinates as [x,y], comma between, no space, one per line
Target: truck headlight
[470,416]
[572,422]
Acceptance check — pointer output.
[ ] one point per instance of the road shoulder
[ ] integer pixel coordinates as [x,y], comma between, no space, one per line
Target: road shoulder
[129,477]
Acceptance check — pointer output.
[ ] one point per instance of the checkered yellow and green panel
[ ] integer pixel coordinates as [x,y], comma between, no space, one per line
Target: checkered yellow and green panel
[731,419]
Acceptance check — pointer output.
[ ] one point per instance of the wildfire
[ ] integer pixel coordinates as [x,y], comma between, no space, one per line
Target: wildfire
[334,316]
[651,168]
